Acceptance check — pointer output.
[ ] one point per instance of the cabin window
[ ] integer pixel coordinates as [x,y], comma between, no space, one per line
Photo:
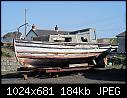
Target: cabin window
[68,39]
[63,39]
[84,39]
[93,35]
[58,41]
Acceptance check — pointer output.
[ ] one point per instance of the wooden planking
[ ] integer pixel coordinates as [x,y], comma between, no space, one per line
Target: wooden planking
[59,46]
[34,49]
[54,56]
[37,52]
[52,62]
[31,54]
[68,69]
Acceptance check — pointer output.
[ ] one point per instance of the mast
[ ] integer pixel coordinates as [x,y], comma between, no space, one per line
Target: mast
[25,23]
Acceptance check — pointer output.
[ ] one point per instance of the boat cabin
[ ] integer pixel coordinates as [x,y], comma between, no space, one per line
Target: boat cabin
[69,38]
[74,37]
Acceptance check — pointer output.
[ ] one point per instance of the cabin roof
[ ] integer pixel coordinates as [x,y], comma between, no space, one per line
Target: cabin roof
[82,30]
[48,32]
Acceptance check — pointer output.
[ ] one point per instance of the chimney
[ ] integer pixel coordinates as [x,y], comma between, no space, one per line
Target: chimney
[56,28]
[33,27]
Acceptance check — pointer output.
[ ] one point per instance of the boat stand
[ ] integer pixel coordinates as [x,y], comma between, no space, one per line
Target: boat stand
[51,70]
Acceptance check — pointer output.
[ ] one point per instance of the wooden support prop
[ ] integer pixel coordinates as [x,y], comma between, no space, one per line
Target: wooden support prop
[25,76]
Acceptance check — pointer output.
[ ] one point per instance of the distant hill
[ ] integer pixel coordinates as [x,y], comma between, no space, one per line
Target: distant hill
[112,41]
[12,35]
[8,37]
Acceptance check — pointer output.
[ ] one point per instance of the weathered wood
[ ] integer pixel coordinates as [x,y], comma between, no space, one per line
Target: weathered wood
[25,76]
[32,53]
[65,56]
[37,52]
[60,43]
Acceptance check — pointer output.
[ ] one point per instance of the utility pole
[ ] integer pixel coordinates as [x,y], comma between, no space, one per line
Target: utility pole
[25,23]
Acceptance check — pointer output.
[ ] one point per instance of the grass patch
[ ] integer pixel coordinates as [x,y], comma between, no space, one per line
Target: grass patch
[7,52]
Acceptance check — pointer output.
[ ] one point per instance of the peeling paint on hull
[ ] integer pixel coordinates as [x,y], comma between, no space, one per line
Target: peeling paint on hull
[30,54]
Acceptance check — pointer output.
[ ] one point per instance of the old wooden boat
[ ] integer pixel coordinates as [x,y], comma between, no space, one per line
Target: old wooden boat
[59,54]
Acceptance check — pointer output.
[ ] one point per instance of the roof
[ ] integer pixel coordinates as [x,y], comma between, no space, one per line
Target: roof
[40,32]
[123,34]
[48,32]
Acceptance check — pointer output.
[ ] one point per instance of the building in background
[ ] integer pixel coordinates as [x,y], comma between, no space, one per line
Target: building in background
[42,35]
[84,35]
[121,42]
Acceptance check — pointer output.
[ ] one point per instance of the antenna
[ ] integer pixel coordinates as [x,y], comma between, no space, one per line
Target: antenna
[25,23]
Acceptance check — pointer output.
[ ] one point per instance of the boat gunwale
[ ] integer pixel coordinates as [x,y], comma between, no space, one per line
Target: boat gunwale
[60,43]
[57,47]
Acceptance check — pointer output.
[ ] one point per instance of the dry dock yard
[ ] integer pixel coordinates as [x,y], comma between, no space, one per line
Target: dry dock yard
[109,74]
[99,76]
[87,77]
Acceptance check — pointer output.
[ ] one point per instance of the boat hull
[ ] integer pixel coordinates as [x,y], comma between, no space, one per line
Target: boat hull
[54,62]
[31,54]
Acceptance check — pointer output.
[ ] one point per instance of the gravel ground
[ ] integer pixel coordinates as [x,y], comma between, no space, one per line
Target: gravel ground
[99,76]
